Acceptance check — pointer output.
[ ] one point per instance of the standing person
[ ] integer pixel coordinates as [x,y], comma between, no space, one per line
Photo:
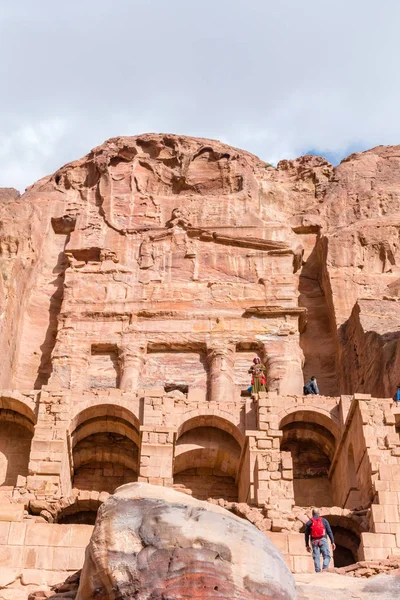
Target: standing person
[311,387]
[258,381]
[397,396]
[318,530]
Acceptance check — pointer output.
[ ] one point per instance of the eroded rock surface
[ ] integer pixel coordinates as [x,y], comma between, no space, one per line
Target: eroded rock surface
[151,542]
[150,225]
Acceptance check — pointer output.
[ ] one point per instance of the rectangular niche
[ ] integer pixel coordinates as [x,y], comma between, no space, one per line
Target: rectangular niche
[104,366]
[175,369]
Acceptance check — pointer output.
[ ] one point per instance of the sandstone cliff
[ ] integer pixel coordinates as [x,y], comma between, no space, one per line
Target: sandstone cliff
[169,223]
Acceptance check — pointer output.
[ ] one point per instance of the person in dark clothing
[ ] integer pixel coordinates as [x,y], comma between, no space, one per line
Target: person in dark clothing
[311,387]
[317,532]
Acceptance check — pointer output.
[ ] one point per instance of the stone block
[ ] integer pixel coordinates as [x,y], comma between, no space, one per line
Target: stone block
[196,394]
[44,557]
[378,516]
[80,535]
[388,498]
[154,393]
[382,528]
[280,540]
[264,444]
[287,463]
[8,576]
[48,534]
[33,577]
[60,558]
[303,564]
[285,504]
[11,512]
[279,524]
[390,418]
[297,545]
[16,536]
[4,531]
[374,554]
[76,558]
[391,513]
[10,557]
[378,540]
[389,472]
[264,475]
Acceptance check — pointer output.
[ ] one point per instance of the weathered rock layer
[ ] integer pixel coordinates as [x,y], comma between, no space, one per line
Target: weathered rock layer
[179,223]
[151,542]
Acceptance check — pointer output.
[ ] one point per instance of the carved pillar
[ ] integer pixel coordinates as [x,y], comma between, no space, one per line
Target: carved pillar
[70,364]
[284,359]
[221,359]
[132,357]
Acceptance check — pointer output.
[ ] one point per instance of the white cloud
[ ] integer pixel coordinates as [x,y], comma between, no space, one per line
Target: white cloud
[27,149]
[274,78]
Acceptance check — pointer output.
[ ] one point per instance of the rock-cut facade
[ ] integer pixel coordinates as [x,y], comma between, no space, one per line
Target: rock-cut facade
[137,286]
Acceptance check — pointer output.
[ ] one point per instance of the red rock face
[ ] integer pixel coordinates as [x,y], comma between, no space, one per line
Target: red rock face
[151,542]
[161,229]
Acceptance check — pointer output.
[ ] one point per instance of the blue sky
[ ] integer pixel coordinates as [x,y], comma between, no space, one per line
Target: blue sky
[336,157]
[276,79]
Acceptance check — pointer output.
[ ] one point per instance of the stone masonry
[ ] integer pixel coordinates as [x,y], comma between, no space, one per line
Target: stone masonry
[137,286]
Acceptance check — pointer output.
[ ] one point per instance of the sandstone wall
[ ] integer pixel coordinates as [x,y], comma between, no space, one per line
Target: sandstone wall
[137,285]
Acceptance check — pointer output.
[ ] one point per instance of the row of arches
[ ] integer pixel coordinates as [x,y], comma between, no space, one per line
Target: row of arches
[105,452]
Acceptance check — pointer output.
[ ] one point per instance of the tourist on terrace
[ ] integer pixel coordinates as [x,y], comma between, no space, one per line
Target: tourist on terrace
[318,530]
[258,380]
[311,387]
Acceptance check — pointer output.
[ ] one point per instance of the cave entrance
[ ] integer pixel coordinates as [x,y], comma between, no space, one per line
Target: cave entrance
[347,544]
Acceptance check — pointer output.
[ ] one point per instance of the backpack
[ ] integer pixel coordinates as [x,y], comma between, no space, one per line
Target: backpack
[317,528]
[307,389]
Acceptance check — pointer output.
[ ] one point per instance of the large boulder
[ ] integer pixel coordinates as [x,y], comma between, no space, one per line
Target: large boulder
[153,543]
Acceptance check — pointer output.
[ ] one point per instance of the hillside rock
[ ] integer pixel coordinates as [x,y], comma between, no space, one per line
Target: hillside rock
[165,222]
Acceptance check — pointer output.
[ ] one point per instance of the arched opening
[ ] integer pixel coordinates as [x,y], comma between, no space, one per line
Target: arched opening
[16,432]
[308,436]
[83,517]
[207,460]
[104,449]
[79,512]
[347,540]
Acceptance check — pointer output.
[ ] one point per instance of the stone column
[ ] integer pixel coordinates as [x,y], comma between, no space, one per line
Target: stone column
[221,358]
[273,467]
[132,357]
[70,366]
[284,358]
[49,472]
[157,455]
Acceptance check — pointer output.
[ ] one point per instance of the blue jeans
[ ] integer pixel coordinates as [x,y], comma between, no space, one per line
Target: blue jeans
[321,547]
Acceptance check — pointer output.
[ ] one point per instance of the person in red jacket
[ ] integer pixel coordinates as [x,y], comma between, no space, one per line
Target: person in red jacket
[318,530]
